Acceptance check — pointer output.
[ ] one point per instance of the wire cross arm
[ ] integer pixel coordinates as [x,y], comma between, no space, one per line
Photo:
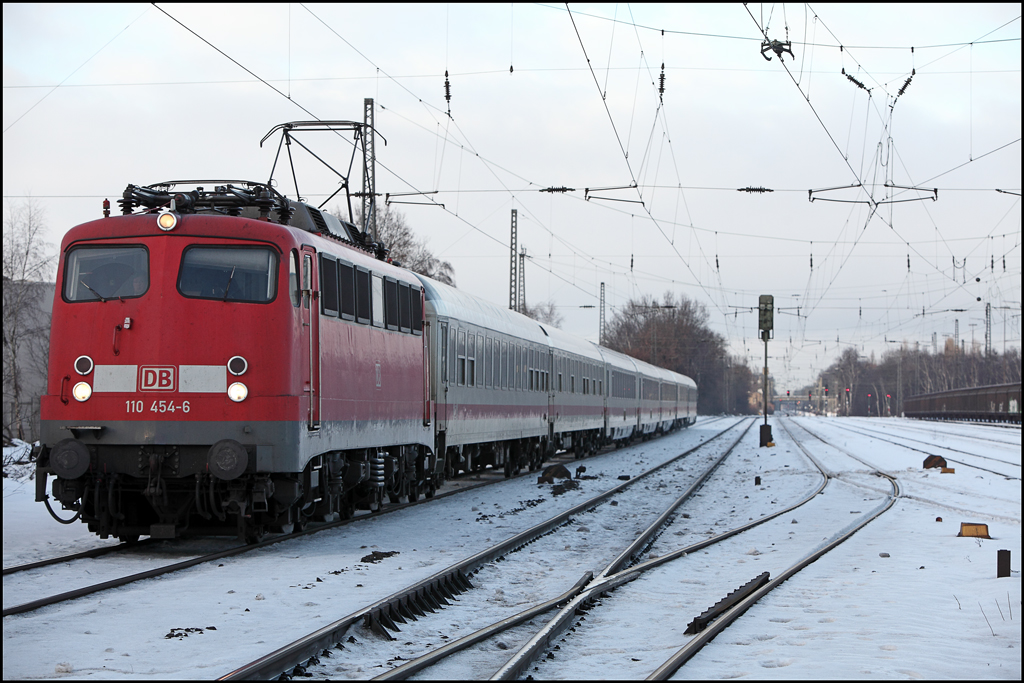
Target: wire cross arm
[389,201]
[811,197]
[317,125]
[934,193]
[632,186]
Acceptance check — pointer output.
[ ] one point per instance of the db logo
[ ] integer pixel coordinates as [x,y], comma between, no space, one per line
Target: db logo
[156,378]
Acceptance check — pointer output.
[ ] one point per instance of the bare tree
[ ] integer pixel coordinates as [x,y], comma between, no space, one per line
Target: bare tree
[674,333]
[27,267]
[405,247]
[544,312]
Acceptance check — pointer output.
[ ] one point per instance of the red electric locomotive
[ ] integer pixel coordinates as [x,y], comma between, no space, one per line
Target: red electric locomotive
[186,392]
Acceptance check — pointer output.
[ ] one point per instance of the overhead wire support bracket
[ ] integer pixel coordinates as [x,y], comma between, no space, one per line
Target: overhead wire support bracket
[389,201]
[778,47]
[632,186]
[811,197]
[1016,194]
[934,191]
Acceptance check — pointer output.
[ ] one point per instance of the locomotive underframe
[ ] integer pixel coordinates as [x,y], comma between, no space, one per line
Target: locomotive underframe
[167,491]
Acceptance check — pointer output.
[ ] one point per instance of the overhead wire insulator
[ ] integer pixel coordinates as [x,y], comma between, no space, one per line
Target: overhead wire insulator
[448,92]
[913,72]
[855,81]
[661,80]
[758,190]
[558,189]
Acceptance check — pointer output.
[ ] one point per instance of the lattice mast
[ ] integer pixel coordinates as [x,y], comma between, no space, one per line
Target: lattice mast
[522,279]
[369,172]
[513,273]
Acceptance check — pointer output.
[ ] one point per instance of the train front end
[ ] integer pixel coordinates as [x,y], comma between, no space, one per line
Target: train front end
[171,385]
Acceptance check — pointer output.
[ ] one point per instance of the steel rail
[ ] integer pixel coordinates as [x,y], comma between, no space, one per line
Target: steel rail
[930,429]
[912,448]
[865,430]
[672,664]
[402,672]
[202,559]
[603,583]
[95,552]
[606,580]
[423,595]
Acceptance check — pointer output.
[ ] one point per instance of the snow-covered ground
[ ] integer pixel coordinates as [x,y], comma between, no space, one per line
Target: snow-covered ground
[920,611]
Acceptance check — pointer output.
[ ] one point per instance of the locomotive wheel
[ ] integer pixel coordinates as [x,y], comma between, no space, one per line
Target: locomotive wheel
[431,489]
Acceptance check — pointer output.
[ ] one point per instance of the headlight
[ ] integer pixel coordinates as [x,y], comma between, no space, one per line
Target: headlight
[83,365]
[82,391]
[237,365]
[236,392]
[166,220]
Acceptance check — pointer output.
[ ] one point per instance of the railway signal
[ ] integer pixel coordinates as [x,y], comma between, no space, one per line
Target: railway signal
[765,315]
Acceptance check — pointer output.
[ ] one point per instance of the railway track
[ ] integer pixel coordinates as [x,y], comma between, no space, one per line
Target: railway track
[588,633]
[414,601]
[578,602]
[882,436]
[462,483]
[933,428]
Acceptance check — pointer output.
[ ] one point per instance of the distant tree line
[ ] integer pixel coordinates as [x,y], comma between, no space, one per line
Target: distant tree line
[673,333]
[909,371]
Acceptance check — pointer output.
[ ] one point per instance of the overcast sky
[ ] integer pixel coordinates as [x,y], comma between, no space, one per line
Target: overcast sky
[542,98]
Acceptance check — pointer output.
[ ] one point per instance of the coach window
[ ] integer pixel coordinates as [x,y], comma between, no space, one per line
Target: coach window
[482,353]
[328,285]
[391,314]
[362,295]
[462,357]
[293,278]
[416,297]
[503,365]
[471,360]
[492,363]
[238,274]
[101,273]
[347,290]
[405,307]
[377,300]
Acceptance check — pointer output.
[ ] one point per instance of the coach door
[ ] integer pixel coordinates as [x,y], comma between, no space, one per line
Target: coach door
[311,331]
[443,376]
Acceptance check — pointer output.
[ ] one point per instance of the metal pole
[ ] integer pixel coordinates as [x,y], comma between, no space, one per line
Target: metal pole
[513,272]
[765,390]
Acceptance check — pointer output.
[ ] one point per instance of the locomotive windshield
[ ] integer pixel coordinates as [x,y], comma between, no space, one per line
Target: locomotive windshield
[101,273]
[229,274]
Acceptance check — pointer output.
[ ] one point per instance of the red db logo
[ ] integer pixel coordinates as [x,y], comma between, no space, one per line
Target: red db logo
[156,378]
